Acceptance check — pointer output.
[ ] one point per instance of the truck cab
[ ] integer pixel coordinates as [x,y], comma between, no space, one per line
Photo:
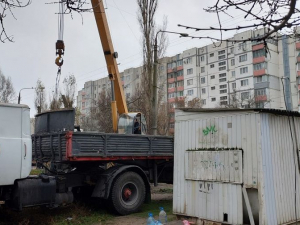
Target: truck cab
[15,143]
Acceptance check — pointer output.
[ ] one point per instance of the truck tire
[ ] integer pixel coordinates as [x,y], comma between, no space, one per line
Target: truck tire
[128,193]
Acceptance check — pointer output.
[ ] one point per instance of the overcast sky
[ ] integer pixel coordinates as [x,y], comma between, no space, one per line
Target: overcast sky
[35,32]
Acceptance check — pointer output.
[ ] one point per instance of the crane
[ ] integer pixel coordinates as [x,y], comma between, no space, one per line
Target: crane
[118,103]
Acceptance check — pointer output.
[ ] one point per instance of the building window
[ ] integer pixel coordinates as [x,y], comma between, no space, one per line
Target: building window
[203,90]
[170,75]
[211,55]
[221,52]
[189,82]
[222,68]
[223,91]
[171,85]
[259,53]
[223,103]
[223,86]
[244,82]
[202,58]
[171,95]
[179,93]
[222,80]
[190,92]
[202,80]
[243,58]
[171,125]
[222,75]
[243,46]
[260,105]
[203,101]
[179,63]
[213,99]
[188,60]
[128,78]
[213,88]
[212,65]
[233,73]
[222,63]
[232,50]
[179,73]
[298,66]
[212,77]
[223,98]
[180,83]
[243,70]
[259,66]
[202,69]
[260,79]
[189,71]
[245,95]
[232,62]
[233,85]
[127,95]
[222,57]
[260,92]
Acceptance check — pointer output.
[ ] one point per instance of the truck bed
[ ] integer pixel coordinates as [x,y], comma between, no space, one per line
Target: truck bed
[84,146]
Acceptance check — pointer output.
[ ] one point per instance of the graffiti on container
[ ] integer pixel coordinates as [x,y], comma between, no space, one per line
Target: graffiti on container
[211,129]
[205,187]
[212,164]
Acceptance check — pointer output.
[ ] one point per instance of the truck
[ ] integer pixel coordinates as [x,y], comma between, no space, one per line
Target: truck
[113,167]
[116,168]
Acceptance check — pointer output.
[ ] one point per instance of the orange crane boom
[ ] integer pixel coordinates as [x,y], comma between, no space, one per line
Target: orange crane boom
[118,103]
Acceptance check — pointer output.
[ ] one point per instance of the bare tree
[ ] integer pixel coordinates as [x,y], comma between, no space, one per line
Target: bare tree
[55,101]
[146,19]
[103,112]
[40,96]
[237,101]
[275,15]
[7,7]
[194,103]
[7,92]
[69,89]
[163,119]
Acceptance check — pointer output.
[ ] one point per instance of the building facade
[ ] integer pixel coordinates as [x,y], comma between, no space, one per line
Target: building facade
[233,73]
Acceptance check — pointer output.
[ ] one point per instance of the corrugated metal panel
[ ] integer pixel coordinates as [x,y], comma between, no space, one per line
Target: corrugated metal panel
[280,169]
[268,164]
[222,166]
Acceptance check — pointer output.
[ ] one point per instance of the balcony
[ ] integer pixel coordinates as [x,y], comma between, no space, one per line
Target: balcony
[180,98]
[257,47]
[170,90]
[171,80]
[179,68]
[171,100]
[298,45]
[298,73]
[171,130]
[172,120]
[170,71]
[180,78]
[298,87]
[298,59]
[259,59]
[261,98]
[259,72]
[180,88]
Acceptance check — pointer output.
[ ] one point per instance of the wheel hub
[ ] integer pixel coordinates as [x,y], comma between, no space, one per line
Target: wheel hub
[127,193]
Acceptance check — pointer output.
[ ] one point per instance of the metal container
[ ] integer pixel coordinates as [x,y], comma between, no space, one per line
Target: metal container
[237,166]
[55,121]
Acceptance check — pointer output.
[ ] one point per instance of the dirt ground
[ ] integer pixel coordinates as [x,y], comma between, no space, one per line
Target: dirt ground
[158,194]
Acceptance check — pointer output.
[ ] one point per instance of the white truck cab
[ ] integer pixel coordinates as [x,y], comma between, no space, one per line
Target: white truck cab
[15,143]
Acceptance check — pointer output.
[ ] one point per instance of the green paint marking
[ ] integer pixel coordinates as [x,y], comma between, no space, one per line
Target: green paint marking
[207,130]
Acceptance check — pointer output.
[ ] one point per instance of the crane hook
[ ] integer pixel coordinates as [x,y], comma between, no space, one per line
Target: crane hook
[60,50]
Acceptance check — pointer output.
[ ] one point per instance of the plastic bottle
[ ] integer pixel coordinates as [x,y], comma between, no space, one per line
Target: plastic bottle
[150,220]
[162,216]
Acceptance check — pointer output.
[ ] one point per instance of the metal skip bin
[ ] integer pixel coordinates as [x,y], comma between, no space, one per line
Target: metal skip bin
[237,166]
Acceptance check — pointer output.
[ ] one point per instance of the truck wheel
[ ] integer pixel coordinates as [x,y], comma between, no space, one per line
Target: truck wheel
[128,193]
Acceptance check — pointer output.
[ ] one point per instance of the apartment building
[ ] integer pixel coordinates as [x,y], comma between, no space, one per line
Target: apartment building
[232,73]
[131,79]
[237,74]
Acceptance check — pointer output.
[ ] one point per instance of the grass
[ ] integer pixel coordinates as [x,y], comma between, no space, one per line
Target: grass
[77,213]
[36,171]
